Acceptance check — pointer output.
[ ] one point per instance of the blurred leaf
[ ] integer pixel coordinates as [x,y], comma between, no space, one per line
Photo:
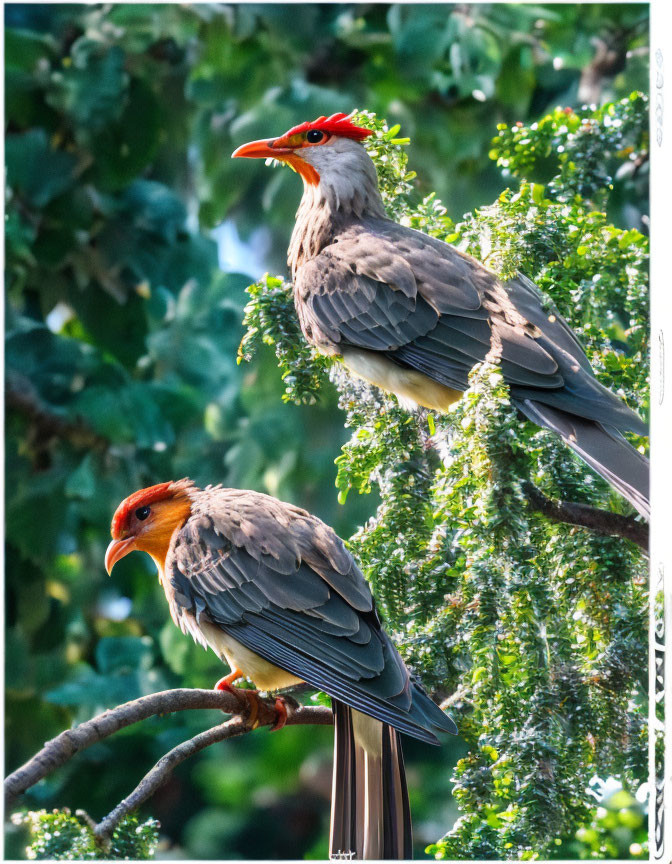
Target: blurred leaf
[82,482]
[90,89]
[128,145]
[123,654]
[35,170]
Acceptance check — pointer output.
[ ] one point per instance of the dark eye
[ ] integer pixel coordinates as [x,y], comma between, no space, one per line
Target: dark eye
[142,513]
[314,136]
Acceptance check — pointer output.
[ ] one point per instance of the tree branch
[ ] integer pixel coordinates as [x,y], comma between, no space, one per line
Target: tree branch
[601,521]
[66,745]
[459,695]
[21,397]
[160,773]
[609,59]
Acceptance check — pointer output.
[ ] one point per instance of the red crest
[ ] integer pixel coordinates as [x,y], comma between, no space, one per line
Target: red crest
[140,498]
[337,124]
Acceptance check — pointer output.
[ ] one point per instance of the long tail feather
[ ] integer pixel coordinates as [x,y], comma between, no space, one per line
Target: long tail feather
[370,814]
[601,447]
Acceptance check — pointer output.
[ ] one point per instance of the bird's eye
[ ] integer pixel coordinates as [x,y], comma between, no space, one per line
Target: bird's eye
[314,136]
[142,513]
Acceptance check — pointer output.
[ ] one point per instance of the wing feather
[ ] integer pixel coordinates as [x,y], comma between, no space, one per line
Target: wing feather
[314,618]
[429,307]
[383,287]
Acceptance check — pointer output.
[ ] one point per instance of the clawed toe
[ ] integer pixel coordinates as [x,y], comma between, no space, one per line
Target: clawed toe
[280,714]
[252,698]
[226,683]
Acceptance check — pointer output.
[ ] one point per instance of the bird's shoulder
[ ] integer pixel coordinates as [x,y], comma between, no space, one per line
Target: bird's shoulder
[375,252]
[263,531]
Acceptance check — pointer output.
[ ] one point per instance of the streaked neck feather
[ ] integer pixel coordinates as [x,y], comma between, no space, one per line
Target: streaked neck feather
[340,198]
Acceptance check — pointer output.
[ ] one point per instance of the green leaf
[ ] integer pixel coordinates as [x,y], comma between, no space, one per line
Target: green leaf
[123,654]
[174,647]
[35,170]
[90,89]
[82,482]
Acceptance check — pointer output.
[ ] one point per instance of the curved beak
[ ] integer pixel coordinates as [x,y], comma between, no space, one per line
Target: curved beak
[116,551]
[262,149]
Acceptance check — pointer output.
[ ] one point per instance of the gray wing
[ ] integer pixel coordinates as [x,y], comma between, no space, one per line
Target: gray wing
[384,287]
[282,583]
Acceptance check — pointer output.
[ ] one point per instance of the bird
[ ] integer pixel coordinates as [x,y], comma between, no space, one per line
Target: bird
[413,315]
[277,595]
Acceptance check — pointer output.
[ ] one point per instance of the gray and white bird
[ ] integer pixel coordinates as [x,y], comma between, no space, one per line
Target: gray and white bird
[275,593]
[413,315]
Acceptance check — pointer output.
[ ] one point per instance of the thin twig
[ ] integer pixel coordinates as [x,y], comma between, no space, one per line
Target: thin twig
[22,397]
[160,773]
[66,745]
[609,59]
[601,521]
[455,697]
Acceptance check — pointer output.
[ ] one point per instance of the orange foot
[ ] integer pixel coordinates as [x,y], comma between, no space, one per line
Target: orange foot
[280,714]
[227,682]
[249,696]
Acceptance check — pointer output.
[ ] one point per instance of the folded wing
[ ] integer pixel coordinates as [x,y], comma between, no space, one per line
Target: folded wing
[298,600]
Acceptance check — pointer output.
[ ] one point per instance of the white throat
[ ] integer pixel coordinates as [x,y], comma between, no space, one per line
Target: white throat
[347,191]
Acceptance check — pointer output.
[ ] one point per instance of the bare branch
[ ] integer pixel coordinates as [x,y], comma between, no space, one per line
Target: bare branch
[160,773]
[601,521]
[458,696]
[66,745]
[609,59]
[45,426]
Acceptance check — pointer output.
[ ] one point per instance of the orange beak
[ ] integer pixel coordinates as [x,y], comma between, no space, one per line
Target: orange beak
[265,149]
[116,551]
[262,149]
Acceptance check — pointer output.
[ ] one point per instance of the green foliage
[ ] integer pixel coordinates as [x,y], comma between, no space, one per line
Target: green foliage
[60,836]
[121,345]
[270,319]
[447,73]
[487,598]
[589,146]
[618,829]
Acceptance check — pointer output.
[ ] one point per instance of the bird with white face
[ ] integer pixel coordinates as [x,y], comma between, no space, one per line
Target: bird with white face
[413,315]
